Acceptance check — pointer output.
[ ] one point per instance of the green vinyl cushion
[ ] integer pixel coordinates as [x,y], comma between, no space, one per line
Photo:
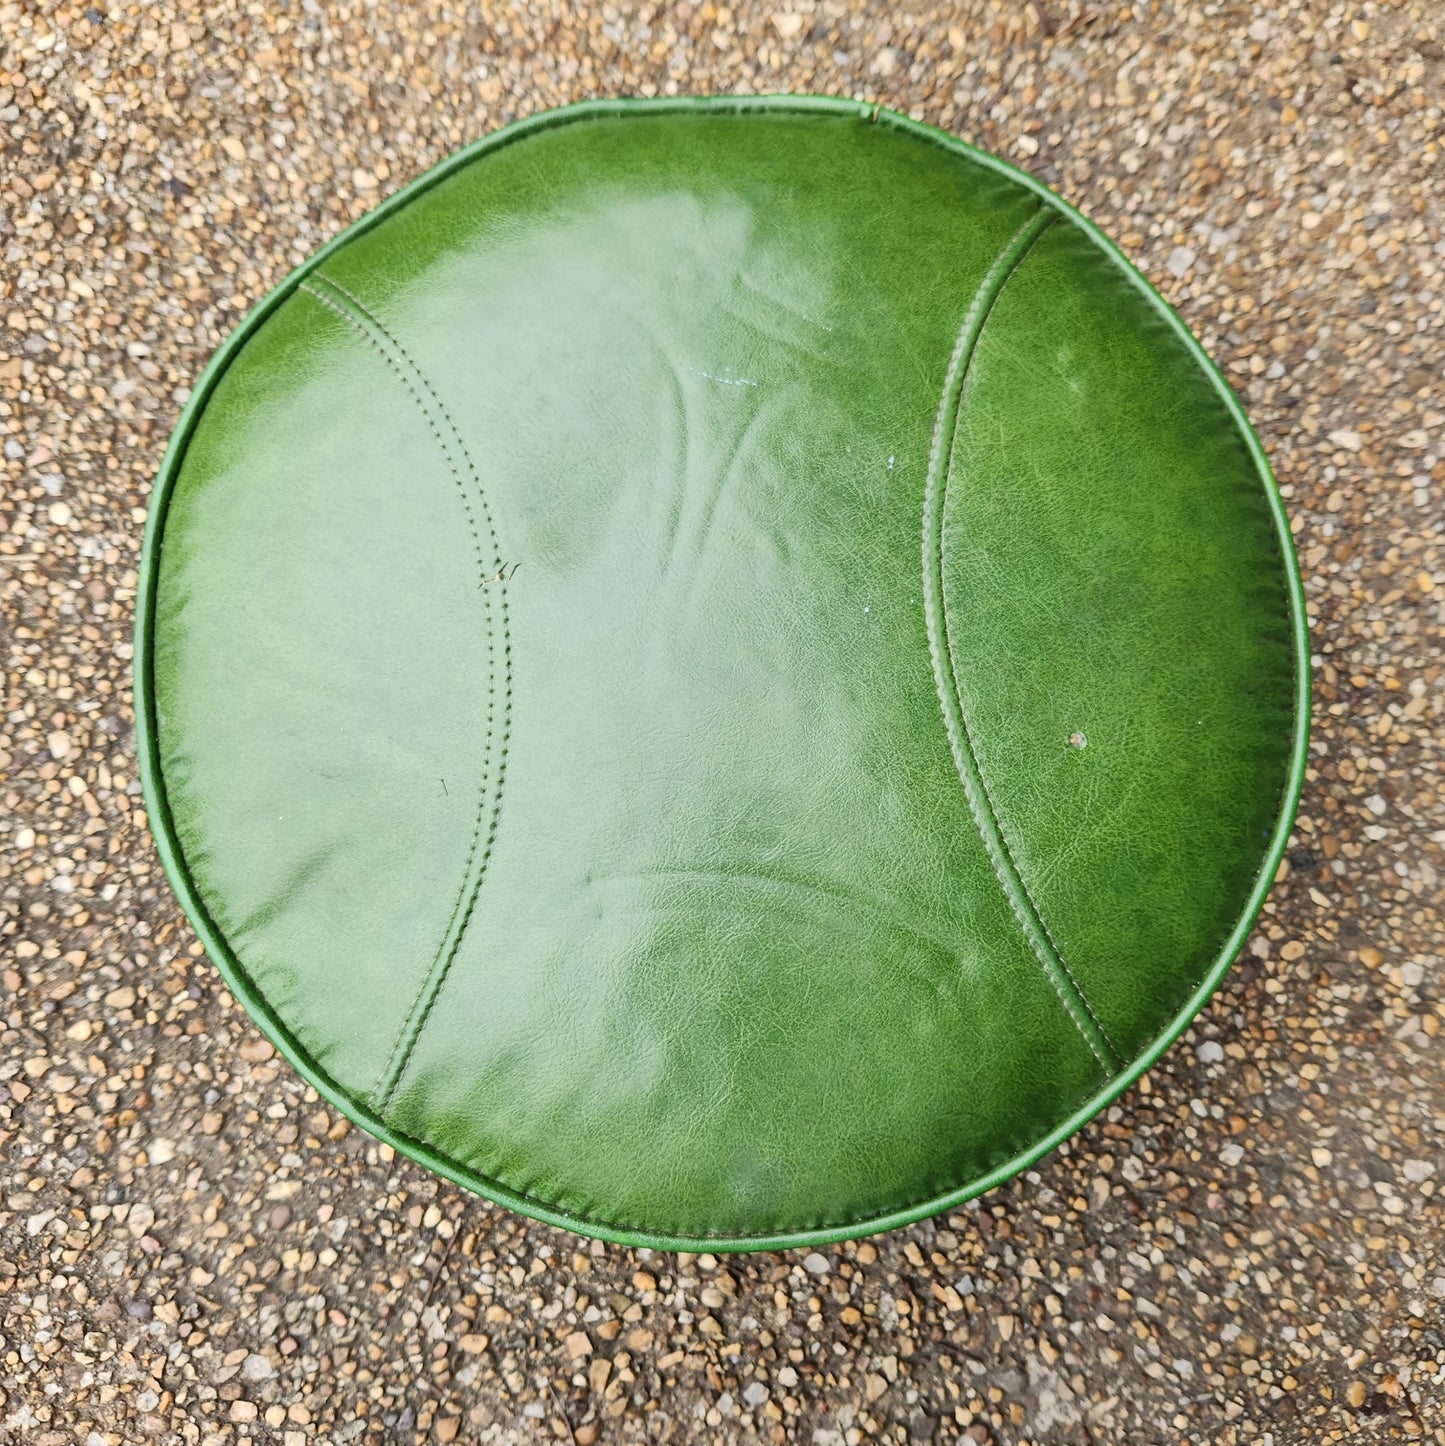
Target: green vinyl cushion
[720,671]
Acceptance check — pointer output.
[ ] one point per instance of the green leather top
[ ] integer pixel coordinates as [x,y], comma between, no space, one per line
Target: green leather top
[720,671]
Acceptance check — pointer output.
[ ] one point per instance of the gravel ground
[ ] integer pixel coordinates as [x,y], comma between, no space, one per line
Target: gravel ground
[1249,1248]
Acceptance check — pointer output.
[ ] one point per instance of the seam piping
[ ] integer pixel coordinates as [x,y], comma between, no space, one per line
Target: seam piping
[945,671]
[478,853]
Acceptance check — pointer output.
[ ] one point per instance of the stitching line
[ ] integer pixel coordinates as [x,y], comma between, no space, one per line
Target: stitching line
[963,713]
[950,697]
[415,1019]
[1011,1149]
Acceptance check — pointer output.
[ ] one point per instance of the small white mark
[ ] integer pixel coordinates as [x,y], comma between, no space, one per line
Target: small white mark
[729,381]
[867,610]
[891,460]
[1078,740]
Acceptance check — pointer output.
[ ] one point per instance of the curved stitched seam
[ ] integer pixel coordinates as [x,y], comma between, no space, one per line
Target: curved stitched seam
[483,790]
[580,1217]
[431,989]
[965,756]
[967,739]
[386,1085]
[436,987]
[953,670]
[1004,844]
[1038,913]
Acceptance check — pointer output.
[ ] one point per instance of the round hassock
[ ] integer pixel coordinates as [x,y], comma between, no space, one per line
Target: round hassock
[720,672]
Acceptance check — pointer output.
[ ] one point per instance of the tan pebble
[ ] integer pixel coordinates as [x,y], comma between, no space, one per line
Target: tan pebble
[353,83]
[211,1122]
[578,1344]
[243,1411]
[1321,1156]
[1355,1394]
[446,1427]
[59,744]
[474,1345]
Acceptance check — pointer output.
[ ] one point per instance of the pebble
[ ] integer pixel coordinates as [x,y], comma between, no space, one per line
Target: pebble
[1180,259]
[161,1151]
[257,1368]
[1275,172]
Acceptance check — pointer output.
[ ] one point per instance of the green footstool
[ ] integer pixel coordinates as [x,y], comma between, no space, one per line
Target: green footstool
[722,673]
